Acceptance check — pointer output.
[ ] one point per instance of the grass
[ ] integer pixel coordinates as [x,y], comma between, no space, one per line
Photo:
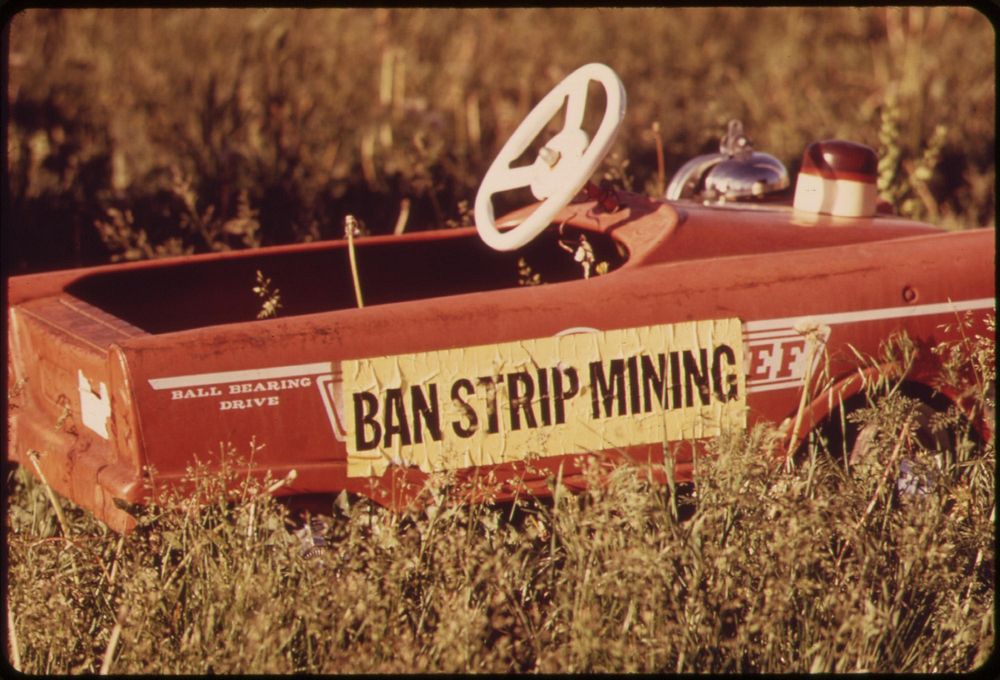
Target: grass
[773,570]
[122,146]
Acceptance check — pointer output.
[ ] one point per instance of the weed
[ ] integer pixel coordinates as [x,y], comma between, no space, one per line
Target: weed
[526,276]
[908,193]
[352,229]
[270,300]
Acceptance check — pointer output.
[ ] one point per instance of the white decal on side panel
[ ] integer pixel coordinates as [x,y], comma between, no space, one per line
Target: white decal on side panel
[777,349]
[779,358]
[246,389]
[94,409]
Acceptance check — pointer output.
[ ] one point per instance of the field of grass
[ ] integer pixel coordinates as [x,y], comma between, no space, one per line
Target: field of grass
[142,133]
[770,569]
[138,133]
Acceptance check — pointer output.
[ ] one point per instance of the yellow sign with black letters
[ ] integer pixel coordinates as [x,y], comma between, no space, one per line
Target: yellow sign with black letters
[575,393]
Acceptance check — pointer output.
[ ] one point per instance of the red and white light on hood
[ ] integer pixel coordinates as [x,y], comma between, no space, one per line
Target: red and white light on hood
[838,178]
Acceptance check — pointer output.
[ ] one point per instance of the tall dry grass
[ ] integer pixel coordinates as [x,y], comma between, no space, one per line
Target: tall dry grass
[143,132]
[772,572]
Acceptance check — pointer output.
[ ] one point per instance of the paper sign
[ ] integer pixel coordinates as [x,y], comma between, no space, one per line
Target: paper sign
[577,393]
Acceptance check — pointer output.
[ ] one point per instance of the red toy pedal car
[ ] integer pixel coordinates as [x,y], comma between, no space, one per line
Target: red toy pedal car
[659,322]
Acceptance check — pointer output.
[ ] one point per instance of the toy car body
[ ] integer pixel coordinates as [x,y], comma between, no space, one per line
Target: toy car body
[711,316]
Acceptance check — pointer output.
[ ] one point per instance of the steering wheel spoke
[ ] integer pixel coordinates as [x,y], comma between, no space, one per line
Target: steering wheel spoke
[567,162]
[575,108]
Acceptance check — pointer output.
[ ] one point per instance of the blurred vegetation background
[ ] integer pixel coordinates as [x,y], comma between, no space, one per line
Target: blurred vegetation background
[137,133]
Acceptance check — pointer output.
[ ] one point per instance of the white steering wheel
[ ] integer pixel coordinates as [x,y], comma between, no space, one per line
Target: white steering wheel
[563,165]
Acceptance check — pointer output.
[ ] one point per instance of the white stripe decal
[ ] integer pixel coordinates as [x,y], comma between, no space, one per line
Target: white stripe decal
[776,348]
[755,327]
[874,314]
[276,372]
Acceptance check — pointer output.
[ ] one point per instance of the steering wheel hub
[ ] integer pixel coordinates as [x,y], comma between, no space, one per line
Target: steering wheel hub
[565,150]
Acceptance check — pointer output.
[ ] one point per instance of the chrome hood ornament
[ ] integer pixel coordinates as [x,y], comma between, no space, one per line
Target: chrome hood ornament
[735,173]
